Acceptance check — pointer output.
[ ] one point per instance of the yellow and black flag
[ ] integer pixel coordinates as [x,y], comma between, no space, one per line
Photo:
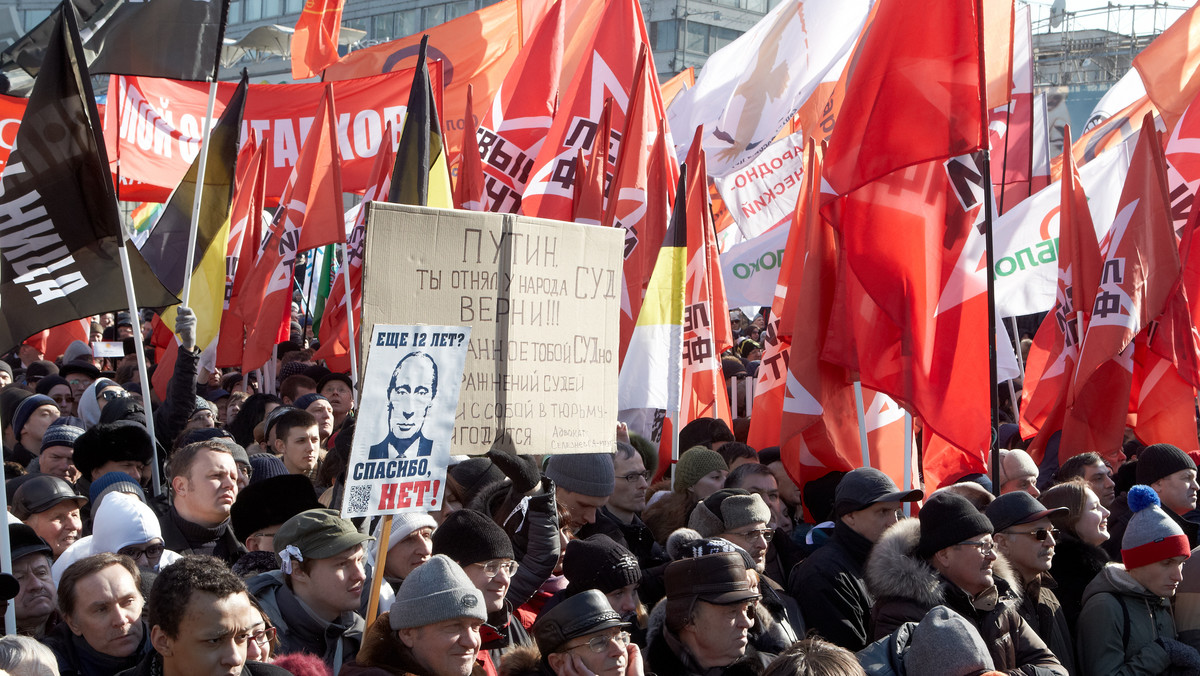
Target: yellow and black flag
[59,226]
[166,247]
[420,176]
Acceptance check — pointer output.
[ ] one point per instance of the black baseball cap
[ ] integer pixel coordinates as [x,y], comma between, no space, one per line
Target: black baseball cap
[866,486]
[1014,509]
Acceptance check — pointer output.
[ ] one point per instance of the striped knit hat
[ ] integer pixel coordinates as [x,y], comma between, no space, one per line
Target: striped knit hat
[1152,535]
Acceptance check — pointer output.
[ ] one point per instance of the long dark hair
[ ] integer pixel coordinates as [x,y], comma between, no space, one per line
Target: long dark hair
[252,413]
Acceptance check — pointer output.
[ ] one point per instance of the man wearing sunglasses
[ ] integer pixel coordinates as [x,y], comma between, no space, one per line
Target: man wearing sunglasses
[584,635]
[1025,537]
[947,557]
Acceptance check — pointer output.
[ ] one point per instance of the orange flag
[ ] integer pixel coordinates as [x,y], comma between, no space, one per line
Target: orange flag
[1170,67]
[468,190]
[315,42]
[1140,271]
[317,180]
[706,330]
[245,216]
[591,187]
[1050,369]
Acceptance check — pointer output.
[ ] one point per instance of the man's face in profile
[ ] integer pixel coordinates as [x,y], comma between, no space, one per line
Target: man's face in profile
[412,395]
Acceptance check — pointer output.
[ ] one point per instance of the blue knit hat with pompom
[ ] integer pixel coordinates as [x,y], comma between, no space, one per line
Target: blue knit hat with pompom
[1152,535]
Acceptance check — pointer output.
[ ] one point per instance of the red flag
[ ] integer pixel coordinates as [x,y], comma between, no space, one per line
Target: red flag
[930,89]
[1163,404]
[468,190]
[706,330]
[591,191]
[315,42]
[514,126]
[1170,67]
[1050,369]
[335,346]
[1141,269]
[317,180]
[166,353]
[607,70]
[631,205]
[54,341]
[245,234]
[309,216]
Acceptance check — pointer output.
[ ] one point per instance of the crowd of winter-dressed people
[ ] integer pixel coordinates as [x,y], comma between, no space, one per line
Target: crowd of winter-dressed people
[569,565]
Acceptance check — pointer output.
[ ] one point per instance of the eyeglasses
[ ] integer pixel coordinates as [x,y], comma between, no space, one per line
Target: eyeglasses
[492,568]
[985,548]
[62,398]
[149,552]
[632,477]
[765,533]
[109,395]
[1039,534]
[599,644]
[263,636]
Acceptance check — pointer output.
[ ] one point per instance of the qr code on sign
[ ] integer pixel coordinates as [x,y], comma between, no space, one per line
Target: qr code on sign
[358,499]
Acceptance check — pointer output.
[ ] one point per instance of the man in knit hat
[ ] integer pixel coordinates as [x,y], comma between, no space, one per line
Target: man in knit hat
[31,419]
[410,544]
[737,516]
[621,519]
[58,452]
[946,557]
[1018,472]
[603,565]
[583,635]
[1126,625]
[830,584]
[583,482]
[485,553]
[313,598]
[432,628]
[1172,475]
[1025,537]
[704,625]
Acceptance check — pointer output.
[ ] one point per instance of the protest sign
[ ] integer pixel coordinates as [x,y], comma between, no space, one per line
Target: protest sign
[751,269]
[406,416]
[152,126]
[763,194]
[543,300]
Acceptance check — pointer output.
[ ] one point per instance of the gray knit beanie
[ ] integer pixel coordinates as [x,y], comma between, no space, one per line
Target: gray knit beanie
[585,473]
[946,644]
[436,591]
[728,510]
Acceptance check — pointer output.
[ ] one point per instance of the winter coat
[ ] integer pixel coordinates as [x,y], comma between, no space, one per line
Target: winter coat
[885,657]
[906,587]
[532,526]
[384,653]
[1075,565]
[300,631]
[666,655]
[667,515]
[832,591]
[1040,609]
[1102,647]
[122,520]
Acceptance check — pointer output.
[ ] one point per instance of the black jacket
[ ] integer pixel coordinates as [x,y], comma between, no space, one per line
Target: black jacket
[77,658]
[147,667]
[1075,565]
[228,548]
[831,587]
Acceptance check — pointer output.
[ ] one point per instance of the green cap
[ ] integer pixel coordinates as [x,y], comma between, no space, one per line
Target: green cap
[318,534]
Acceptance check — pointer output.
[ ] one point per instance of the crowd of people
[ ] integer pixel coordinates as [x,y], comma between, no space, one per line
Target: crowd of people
[567,565]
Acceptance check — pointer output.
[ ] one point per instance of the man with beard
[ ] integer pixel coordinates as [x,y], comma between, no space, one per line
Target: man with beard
[1026,537]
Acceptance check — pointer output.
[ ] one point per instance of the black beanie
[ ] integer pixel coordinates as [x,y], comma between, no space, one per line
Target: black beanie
[1161,460]
[118,441]
[599,563]
[470,537]
[948,519]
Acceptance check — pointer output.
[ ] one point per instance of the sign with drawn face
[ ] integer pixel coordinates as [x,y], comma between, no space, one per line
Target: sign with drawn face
[406,418]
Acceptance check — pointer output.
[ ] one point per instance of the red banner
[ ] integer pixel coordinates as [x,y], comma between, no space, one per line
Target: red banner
[158,125]
[12,109]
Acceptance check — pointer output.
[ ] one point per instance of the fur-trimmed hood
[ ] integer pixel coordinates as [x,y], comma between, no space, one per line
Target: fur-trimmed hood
[895,571]
[523,661]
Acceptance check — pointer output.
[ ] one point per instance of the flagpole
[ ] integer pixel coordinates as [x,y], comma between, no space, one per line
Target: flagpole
[908,457]
[986,161]
[862,423]
[140,350]
[349,318]
[206,132]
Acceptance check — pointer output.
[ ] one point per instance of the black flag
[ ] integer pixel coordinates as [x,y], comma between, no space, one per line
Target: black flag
[177,39]
[59,227]
[420,140]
